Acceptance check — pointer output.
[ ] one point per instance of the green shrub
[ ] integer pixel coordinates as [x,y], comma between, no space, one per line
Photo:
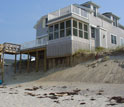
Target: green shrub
[80,51]
[100,49]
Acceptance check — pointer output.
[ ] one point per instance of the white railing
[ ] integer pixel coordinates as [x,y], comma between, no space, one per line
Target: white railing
[70,9]
[34,43]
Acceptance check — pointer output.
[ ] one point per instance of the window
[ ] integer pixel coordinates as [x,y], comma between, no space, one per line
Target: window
[68,32]
[95,11]
[51,32]
[56,35]
[114,21]
[75,30]
[56,27]
[122,41]
[68,28]
[113,39]
[56,31]
[75,33]
[62,25]
[62,30]
[93,32]
[68,24]
[80,30]
[50,36]
[51,29]
[46,21]
[85,31]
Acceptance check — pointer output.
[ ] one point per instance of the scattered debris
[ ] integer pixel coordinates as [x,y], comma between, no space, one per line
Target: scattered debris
[52,97]
[92,99]
[31,94]
[87,89]
[82,103]
[57,102]
[118,99]
[3,87]
[99,93]
[32,89]
[111,104]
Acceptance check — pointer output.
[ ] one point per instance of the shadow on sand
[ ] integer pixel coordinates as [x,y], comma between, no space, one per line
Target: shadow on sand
[12,79]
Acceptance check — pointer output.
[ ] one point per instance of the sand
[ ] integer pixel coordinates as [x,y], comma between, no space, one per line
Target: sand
[96,81]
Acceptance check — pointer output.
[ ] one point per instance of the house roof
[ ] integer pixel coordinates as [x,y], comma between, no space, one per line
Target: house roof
[83,7]
[90,2]
[110,13]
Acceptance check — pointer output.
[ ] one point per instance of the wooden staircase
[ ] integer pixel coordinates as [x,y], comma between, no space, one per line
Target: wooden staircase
[7,48]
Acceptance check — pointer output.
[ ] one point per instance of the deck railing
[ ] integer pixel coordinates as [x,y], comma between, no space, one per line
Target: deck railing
[70,9]
[34,43]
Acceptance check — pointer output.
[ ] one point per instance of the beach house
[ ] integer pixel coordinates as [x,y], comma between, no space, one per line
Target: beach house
[61,33]
[78,26]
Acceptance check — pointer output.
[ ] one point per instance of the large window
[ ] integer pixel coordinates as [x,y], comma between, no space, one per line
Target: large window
[62,29]
[75,30]
[85,31]
[93,32]
[51,33]
[80,29]
[56,31]
[68,28]
[113,39]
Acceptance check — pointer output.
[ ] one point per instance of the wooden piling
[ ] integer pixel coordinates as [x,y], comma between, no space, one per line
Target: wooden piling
[37,62]
[15,62]
[20,63]
[45,61]
[28,63]
[2,66]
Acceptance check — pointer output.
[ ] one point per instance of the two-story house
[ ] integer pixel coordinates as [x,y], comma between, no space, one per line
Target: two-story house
[78,26]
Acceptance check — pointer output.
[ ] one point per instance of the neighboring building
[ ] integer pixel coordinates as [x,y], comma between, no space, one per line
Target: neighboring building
[78,26]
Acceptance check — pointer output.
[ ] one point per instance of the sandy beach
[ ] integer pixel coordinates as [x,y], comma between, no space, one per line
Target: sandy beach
[37,94]
[92,84]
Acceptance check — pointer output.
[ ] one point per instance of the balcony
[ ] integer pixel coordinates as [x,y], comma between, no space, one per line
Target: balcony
[35,43]
[67,10]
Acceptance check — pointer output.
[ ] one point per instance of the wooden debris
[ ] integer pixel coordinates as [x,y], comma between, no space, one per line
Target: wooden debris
[118,99]
[82,103]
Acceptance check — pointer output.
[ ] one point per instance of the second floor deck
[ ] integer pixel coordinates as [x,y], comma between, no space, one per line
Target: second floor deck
[75,9]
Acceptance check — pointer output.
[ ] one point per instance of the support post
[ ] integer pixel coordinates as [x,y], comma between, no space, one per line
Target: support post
[28,63]
[2,62]
[37,62]
[20,64]
[53,61]
[45,61]
[15,62]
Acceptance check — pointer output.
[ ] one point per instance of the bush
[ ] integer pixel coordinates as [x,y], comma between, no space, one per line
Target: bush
[80,51]
[100,49]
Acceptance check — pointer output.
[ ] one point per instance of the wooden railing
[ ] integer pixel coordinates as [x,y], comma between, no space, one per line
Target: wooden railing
[69,9]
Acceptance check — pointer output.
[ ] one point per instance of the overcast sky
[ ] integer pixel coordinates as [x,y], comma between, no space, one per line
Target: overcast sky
[18,17]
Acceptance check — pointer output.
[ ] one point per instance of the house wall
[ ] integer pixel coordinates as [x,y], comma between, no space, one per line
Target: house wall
[80,43]
[41,28]
[60,47]
[108,30]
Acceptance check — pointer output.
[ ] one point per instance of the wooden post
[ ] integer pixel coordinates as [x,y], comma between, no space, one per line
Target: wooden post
[28,63]
[53,61]
[15,62]
[37,62]
[2,62]
[45,63]
[20,64]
